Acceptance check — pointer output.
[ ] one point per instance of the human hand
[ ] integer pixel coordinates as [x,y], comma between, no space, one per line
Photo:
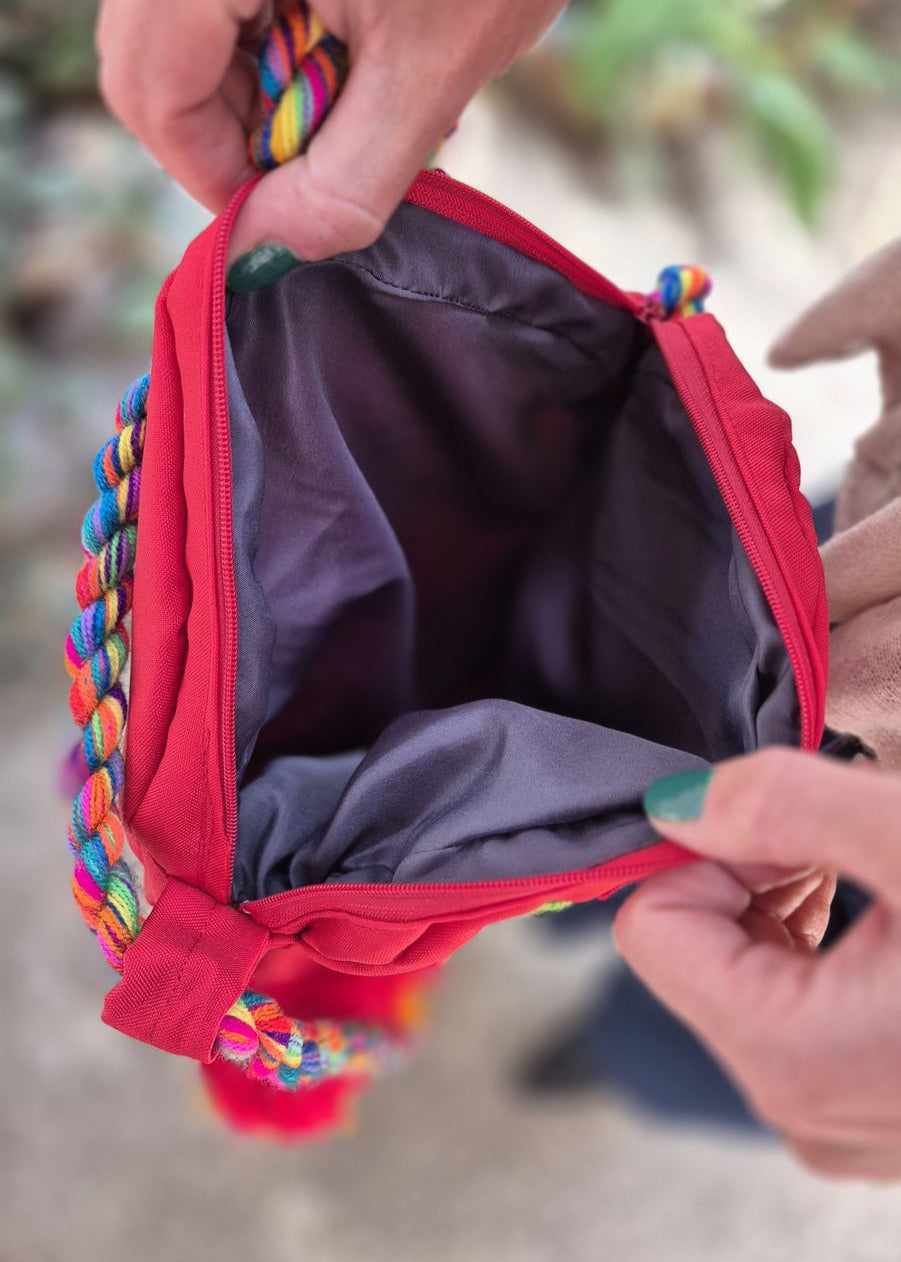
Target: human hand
[180,75]
[813,1040]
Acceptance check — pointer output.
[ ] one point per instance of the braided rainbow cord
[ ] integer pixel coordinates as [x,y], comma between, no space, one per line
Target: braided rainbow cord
[302,69]
[96,653]
[255,1033]
[268,1045]
[680,291]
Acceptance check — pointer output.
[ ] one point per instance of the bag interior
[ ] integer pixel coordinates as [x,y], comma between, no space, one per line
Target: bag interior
[487,588]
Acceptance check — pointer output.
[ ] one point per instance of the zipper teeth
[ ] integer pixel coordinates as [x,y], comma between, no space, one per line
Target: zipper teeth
[514,884]
[787,621]
[226,568]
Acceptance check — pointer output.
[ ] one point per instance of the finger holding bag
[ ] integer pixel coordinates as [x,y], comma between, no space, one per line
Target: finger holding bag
[813,1040]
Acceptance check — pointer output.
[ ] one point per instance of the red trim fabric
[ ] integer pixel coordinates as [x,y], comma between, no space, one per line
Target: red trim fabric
[192,959]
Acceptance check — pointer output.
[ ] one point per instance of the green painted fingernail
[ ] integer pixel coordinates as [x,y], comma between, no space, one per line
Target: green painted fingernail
[260,267]
[679,797]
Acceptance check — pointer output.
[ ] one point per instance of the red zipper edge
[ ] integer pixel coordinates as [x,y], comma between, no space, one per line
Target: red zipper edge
[780,593]
[225,561]
[439,192]
[617,872]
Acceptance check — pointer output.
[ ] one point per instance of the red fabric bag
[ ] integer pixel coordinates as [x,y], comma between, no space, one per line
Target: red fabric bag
[447,549]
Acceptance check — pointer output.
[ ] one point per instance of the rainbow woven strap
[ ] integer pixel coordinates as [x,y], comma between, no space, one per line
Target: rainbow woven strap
[302,69]
[255,1034]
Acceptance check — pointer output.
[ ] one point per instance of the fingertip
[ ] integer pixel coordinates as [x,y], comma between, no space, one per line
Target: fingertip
[260,266]
[677,798]
[734,810]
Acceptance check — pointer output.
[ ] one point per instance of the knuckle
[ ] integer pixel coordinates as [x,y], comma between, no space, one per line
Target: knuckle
[817,1158]
[339,217]
[351,234]
[794,1105]
[336,225]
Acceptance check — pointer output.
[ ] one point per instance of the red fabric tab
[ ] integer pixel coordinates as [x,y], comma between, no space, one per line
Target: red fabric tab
[190,962]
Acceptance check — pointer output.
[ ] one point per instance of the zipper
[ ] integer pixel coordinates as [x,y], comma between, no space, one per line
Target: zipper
[222,478]
[623,871]
[764,559]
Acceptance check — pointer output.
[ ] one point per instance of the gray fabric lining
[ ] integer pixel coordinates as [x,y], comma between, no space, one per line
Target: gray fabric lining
[487,588]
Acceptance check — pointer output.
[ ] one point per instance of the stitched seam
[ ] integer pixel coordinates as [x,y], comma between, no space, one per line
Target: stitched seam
[462,305]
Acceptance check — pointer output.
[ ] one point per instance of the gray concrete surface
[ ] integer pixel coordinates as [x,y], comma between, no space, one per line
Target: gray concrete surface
[107,1148]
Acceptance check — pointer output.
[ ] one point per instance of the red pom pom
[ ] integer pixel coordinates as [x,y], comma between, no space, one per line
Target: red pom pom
[255,1108]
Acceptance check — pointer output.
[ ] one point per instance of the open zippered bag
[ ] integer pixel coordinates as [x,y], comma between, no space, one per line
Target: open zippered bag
[443,552]
[447,550]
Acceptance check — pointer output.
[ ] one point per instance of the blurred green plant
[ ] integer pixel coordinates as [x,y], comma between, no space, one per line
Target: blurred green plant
[48,47]
[773,71]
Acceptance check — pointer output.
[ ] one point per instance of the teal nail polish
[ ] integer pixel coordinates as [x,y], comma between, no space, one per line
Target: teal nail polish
[679,797]
[260,267]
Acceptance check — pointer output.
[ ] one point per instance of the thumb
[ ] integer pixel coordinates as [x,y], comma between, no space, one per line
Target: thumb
[685,932]
[340,193]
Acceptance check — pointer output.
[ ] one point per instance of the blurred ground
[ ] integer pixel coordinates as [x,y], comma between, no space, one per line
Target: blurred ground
[105,1146]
